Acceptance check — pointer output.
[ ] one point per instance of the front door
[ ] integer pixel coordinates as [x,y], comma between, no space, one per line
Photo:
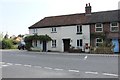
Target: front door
[66,43]
[116,44]
[44,46]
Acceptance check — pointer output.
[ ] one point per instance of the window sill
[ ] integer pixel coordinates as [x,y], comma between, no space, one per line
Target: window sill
[114,31]
[99,31]
[53,32]
[79,33]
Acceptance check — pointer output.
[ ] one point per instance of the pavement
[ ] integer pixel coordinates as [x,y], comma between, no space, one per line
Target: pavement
[66,53]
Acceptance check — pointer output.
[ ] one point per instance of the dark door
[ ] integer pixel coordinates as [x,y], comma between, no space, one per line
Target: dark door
[44,46]
[66,43]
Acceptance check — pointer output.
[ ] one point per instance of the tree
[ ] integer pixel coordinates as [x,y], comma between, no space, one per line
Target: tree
[7,44]
[6,36]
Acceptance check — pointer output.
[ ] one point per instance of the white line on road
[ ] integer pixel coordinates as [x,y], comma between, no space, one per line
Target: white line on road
[18,64]
[108,74]
[73,70]
[47,67]
[5,65]
[27,65]
[9,63]
[57,69]
[37,66]
[2,62]
[85,57]
[91,72]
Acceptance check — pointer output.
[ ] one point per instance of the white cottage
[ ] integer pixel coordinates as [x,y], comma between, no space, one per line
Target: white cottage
[74,30]
[66,31]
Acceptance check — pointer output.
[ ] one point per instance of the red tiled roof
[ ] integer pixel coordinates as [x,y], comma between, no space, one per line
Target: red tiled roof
[74,19]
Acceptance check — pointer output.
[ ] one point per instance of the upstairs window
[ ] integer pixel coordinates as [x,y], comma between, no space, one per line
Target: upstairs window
[79,43]
[99,41]
[114,27]
[54,30]
[53,43]
[79,29]
[34,31]
[99,27]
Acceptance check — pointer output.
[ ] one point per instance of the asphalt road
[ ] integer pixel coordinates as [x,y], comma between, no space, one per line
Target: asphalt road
[24,64]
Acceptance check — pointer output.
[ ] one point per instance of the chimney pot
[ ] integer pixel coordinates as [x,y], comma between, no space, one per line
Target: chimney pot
[89,4]
[88,9]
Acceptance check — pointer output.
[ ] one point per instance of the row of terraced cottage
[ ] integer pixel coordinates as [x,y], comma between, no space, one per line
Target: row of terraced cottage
[78,30]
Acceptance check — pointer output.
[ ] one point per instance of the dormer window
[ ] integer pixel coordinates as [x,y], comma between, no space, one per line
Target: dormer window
[79,29]
[54,30]
[114,27]
[99,27]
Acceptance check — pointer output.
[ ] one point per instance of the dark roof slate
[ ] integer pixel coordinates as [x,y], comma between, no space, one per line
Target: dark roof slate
[75,19]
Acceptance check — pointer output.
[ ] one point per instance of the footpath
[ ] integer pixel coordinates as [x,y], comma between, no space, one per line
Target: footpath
[64,53]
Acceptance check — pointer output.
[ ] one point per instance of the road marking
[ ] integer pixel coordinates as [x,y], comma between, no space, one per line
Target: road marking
[91,72]
[2,62]
[27,65]
[47,67]
[73,70]
[9,63]
[37,66]
[57,69]
[5,65]
[85,57]
[108,74]
[18,64]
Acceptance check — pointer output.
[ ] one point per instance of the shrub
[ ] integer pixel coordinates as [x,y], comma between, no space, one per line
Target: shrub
[7,44]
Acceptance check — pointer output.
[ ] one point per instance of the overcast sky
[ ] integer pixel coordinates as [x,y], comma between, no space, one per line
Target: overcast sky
[17,15]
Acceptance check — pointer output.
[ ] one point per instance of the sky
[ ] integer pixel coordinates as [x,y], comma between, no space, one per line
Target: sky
[17,15]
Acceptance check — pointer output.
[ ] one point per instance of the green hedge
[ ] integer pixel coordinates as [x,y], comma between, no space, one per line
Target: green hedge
[7,44]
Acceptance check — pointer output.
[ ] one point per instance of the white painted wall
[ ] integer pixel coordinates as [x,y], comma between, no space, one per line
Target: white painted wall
[65,32]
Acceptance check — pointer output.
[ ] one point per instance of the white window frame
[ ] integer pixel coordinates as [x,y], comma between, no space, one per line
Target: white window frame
[79,45]
[53,30]
[98,42]
[35,31]
[98,27]
[114,27]
[35,43]
[54,43]
[79,28]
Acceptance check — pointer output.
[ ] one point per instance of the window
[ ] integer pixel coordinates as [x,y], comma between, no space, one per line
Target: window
[35,43]
[98,27]
[53,43]
[54,30]
[79,43]
[114,27]
[79,29]
[34,31]
[99,41]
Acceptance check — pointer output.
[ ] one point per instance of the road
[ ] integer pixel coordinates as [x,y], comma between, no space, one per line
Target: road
[24,64]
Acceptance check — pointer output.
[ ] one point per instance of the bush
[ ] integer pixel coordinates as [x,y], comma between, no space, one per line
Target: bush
[7,44]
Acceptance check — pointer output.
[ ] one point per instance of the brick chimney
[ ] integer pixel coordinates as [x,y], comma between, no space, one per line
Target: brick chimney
[88,9]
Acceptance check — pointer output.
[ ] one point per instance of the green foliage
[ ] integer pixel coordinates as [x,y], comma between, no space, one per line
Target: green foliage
[100,35]
[7,44]
[28,39]
[37,37]
[104,48]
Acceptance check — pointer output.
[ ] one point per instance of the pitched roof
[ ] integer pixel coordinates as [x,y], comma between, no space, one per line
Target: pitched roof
[74,19]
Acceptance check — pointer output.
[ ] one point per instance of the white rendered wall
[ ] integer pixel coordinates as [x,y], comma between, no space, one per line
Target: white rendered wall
[65,32]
